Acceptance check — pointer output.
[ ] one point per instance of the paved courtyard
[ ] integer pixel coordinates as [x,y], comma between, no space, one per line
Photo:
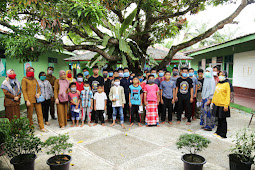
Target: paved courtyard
[108,147]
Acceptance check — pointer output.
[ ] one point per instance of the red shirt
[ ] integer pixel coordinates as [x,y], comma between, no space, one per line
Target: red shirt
[79,87]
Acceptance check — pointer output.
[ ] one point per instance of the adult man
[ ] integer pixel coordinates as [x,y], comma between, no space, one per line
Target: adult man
[125,83]
[51,79]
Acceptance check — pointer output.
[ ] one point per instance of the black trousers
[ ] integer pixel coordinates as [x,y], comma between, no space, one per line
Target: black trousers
[160,109]
[99,114]
[167,105]
[222,127]
[93,112]
[126,108]
[109,109]
[134,110]
[45,110]
[184,103]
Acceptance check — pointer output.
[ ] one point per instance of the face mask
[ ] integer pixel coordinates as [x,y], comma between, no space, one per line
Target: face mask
[85,73]
[135,81]
[140,79]
[131,77]
[99,90]
[116,83]
[154,74]
[50,72]
[175,73]
[144,74]
[215,73]
[69,75]
[222,78]
[151,81]
[191,74]
[184,74]
[208,75]
[80,79]
[121,75]
[167,77]
[12,76]
[105,75]
[30,74]
[110,74]
[73,89]
[161,74]
[126,74]
[42,78]
[63,77]
[86,88]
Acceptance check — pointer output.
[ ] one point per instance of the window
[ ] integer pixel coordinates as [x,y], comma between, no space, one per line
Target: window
[52,60]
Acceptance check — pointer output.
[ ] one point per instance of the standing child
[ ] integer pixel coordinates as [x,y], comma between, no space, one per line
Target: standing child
[117,97]
[184,90]
[86,103]
[100,101]
[151,100]
[74,99]
[195,82]
[167,92]
[200,79]
[135,97]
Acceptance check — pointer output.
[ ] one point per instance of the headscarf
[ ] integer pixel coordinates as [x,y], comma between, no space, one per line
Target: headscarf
[208,85]
[11,85]
[63,84]
[69,79]
[28,70]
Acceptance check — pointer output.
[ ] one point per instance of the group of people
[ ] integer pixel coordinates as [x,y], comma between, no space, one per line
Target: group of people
[118,95]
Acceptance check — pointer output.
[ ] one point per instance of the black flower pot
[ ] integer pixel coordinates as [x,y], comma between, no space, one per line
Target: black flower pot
[24,162]
[196,164]
[236,164]
[60,166]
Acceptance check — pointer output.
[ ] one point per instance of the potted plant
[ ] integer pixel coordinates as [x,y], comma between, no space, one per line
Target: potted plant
[193,143]
[4,129]
[243,152]
[57,146]
[21,144]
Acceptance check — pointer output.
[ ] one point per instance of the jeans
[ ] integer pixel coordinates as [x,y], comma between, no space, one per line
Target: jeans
[120,109]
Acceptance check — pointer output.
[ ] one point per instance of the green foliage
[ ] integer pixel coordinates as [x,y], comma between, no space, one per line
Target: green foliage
[193,143]
[245,145]
[21,138]
[4,129]
[128,21]
[58,145]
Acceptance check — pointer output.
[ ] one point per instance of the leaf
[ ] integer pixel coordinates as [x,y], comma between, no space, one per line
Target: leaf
[124,60]
[131,30]
[105,40]
[79,13]
[128,21]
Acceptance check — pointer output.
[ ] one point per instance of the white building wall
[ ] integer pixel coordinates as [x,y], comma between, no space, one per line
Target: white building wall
[244,70]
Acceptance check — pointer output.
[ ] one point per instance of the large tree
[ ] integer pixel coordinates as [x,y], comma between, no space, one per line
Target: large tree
[118,30]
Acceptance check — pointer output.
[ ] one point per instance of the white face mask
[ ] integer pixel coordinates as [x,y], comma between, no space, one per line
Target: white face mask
[80,79]
[215,73]
[222,78]
[50,71]
[116,83]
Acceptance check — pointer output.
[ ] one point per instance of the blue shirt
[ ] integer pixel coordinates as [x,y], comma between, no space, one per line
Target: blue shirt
[135,93]
[167,88]
[195,82]
[86,97]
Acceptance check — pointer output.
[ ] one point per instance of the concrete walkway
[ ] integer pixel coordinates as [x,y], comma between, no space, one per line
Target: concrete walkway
[138,147]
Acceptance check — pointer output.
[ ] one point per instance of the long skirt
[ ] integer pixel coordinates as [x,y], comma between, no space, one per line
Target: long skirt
[11,111]
[207,120]
[151,113]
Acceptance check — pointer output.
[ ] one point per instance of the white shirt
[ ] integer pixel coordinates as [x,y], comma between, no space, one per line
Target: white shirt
[100,100]
[117,97]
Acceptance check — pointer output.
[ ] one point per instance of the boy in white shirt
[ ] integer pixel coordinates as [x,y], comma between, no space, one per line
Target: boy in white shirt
[100,101]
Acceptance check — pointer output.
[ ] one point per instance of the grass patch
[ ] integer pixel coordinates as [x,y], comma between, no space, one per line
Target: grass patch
[243,108]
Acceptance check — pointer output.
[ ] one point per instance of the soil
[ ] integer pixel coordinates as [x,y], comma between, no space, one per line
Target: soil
[196,159]
[59,159]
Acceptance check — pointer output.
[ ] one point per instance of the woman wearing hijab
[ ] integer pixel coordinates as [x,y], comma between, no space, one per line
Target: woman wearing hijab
[221,101]
[207,120]
[47,92]
[12,93]
[61,86]
[31,90]
[69,76]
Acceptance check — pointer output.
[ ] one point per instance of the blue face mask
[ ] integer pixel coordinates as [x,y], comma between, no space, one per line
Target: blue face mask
[154,74]
[86,88]
[126,74]
[121,75]
[86,73]
[144,74]
[184,75]
[110,74]
[140,79]
[208,75]
[161,74]
[42,78]
[191,74]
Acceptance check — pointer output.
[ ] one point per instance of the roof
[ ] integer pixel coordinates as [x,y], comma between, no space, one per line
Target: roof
[158,53]
[238,40]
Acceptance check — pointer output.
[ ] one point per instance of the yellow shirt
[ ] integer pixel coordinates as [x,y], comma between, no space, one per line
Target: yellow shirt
[221,95]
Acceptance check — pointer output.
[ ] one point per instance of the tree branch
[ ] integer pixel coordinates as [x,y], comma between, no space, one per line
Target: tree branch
[92,48]
[174,49]
[119,14]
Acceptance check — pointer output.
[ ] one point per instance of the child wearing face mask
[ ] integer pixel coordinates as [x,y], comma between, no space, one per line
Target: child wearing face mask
[86,103]
[117,97]
[151,101]
[74,99]
[79,83]
[100,101]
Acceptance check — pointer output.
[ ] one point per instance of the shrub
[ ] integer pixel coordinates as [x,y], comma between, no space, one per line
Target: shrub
[4,129]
